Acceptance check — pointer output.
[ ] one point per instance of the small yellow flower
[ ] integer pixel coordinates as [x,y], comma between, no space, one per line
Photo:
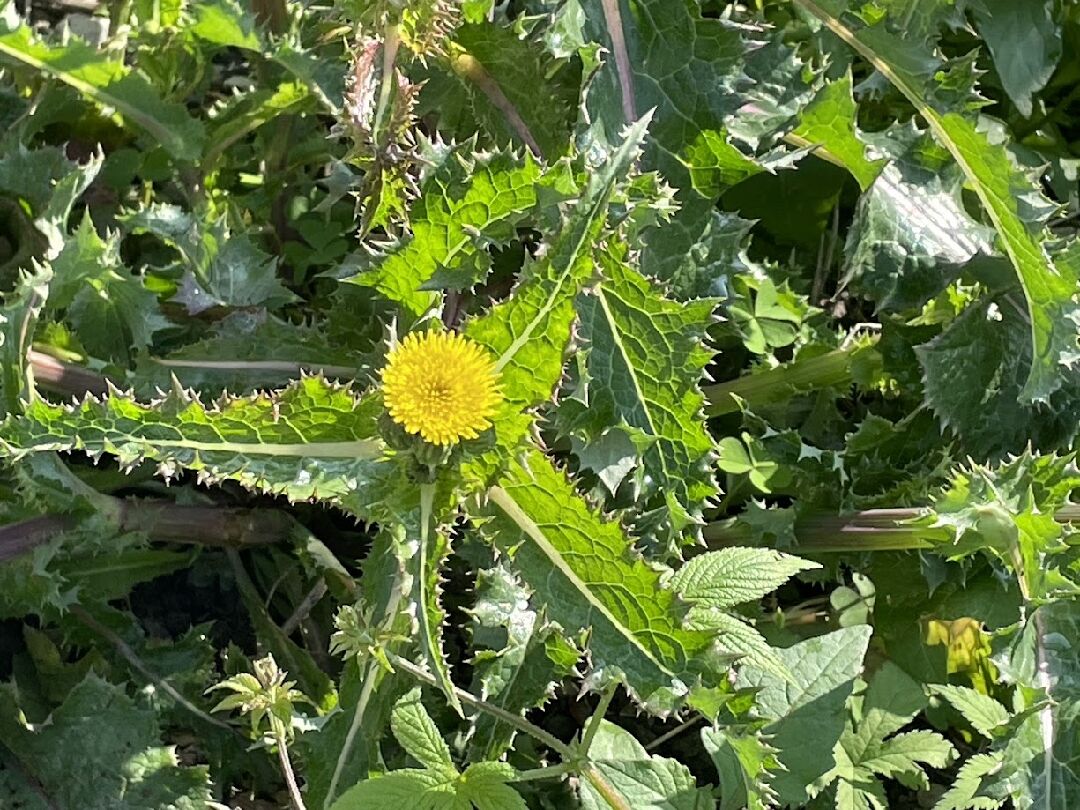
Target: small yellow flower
[442,386]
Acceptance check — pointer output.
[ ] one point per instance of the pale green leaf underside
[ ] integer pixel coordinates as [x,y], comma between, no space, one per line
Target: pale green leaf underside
[417,732]
[732,576]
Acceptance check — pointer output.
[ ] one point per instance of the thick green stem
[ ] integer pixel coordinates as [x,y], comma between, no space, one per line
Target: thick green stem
[869,530]
[764,387]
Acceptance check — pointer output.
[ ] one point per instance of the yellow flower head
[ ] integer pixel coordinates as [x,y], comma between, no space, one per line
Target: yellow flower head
[442,386]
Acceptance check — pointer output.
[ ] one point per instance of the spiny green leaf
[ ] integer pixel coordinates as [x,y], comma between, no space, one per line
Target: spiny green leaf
[250,111]
[112,312]
[30,174]
[528,333]
[312,439]
[911,235]
[252,350]
[585,573]
[986,350]
[692,70]
[221,268]
[517,662]
[1009,198]
[111,84]
[18,319]
[468,201]
[646,356]
[744,761]
[497,79]
[828,122]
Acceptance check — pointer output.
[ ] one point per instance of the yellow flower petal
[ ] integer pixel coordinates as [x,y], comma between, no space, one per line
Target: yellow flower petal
[441,386]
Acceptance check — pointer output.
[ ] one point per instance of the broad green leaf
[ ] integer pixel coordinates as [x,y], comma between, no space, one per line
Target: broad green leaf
[868,750]
[586,575]
[312,438]
[731,576]
[76,765]
[109,83]
[529,331]
[30,174]
[984,713]
[403,788]
[827,126]
[1007,196]
[112,576]
[1025,41]
[225,23]
[469,202]
[484,785]
[495,79]
[965,791]
[640,780]
[646,357]
[418,734]
[110,310]
[811,708]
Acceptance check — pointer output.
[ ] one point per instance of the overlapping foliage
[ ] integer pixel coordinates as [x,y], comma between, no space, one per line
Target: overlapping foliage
[776,508]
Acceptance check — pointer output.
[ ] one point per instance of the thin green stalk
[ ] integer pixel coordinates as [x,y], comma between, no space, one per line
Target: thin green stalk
[598,716]
[370,679]
[550,772]
[286,768]
[468,699]
[129,655]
